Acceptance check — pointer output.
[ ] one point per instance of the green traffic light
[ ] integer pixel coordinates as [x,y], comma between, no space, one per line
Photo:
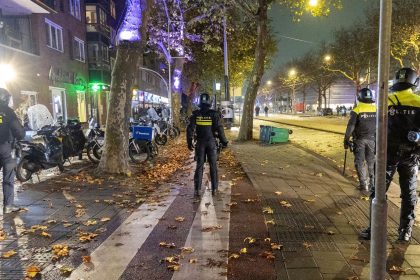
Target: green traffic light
[95,87]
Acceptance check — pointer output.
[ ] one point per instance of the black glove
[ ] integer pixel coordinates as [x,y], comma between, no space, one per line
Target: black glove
[347,143]
[225,144]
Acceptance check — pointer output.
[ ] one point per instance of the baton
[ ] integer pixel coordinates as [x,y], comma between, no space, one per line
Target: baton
[345,161]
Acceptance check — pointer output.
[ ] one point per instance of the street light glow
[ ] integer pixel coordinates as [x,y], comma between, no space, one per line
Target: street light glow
[292,73]
[313,3]
[269,83]
[327,57]
[7,73]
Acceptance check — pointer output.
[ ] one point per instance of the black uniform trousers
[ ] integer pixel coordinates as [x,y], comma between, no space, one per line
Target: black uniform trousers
[406,163]
[206,149]
[8,164]
[364,151]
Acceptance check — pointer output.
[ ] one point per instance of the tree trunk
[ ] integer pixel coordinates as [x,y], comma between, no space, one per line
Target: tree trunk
[319,99]
[245,131]
[115,152]
[324,95]
[177,90]
[304,101]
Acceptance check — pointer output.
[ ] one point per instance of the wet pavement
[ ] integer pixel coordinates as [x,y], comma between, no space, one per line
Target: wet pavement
[282,213]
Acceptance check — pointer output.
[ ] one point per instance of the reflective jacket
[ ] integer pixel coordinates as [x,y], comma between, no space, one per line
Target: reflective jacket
[10,127]
[403,117]
[206,125]
[362,123]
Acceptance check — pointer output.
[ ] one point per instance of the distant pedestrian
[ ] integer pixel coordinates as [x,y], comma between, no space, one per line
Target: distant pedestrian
[362,128]
[338,110]
[257,111]
[266,111]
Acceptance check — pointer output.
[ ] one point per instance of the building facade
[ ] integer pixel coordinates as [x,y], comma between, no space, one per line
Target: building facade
[47,50]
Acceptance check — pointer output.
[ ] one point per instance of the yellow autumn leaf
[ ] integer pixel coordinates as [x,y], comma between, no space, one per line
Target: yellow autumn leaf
[268,210]
[243,251]
[270,222]
[278,193]
[105,219]
[192,260]
[90,222]
[45,234]
[32,271]
[275,246]
[66,271]
[8,254]
[250,240]
[234,256]
[187,249]
[174,267]
[179,219]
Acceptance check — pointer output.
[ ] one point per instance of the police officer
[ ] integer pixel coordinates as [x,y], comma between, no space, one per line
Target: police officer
[362,128]
[10,129]
[402,154]
[205,125]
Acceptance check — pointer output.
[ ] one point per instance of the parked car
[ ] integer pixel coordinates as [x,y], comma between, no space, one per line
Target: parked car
[326,112]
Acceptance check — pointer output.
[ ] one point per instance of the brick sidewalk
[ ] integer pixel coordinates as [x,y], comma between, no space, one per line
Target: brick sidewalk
[317,215]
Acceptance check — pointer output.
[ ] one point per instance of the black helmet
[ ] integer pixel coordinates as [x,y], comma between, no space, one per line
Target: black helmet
[4,97]
[204,100]
[365,95]
[405,78]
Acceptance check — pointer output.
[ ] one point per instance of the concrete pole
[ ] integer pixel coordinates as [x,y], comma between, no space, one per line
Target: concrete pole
[378,253]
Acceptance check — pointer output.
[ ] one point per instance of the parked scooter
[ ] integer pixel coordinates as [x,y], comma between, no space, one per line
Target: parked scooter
[45,152]
[95,140]
[73,138]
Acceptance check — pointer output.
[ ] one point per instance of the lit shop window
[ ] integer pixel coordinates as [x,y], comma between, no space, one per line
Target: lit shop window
[91,16]
[54,35]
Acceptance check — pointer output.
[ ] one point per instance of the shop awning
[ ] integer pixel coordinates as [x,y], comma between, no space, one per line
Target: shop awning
[23,7]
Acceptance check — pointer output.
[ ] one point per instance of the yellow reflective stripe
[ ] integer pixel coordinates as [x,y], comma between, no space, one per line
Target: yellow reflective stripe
[204,123]
[406,98]
[365,108]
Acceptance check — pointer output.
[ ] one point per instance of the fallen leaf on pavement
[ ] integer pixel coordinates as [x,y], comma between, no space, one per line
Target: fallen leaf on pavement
[234,256]
[250,240]
[187,249]
[32,271]
[174,267]
[211,228]
[192,260]
[66,271]
[267,239]
[243,251]
[167,245]
[45,234]
[286,204]
[268,210]
[87,236]
[90,222]
[330,232]
[59,251]
[275,246]
[86,259]
[270,222]
[364,198]
[397,269]
[307,245]
[232,204]
[179,219]
[8,254]
[268,255]
[80,212]
[51,221]
[278,193]
[67,225]
[105,219]
[2,235]
[250,200]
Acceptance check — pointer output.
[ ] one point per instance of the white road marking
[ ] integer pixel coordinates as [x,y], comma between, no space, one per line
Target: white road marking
[208,245]
[110,261]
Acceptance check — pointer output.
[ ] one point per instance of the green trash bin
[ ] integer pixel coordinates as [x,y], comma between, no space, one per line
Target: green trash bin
[278,135]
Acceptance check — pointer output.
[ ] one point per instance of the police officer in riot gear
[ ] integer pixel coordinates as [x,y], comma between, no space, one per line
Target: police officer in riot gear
[402,154]
[362,128]
[10,129]
[205,126]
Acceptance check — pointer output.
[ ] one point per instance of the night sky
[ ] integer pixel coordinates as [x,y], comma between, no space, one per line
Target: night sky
[309,29]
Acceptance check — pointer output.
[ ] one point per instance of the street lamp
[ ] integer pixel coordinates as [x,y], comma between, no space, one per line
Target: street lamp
[313,3]
[7,74]
[292,73]
[269,83]
[327,58]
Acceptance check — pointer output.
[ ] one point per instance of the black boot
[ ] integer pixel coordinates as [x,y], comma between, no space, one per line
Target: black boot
[404,234]
[365,234]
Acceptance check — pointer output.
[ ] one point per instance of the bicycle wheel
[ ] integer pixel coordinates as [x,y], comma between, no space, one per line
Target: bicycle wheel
[90,153]
[155,149]
[138,151]
[161,139]
[173,133]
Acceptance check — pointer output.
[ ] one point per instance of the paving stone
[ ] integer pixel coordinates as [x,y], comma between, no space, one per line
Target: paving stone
[300,262]
[304,274]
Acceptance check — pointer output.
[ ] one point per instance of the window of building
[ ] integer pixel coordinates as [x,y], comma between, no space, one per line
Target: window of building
[54,36]
[112,9]
[91,16]
[102,16]
[79,49]
[93,52]
[105,53]
[75,9]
